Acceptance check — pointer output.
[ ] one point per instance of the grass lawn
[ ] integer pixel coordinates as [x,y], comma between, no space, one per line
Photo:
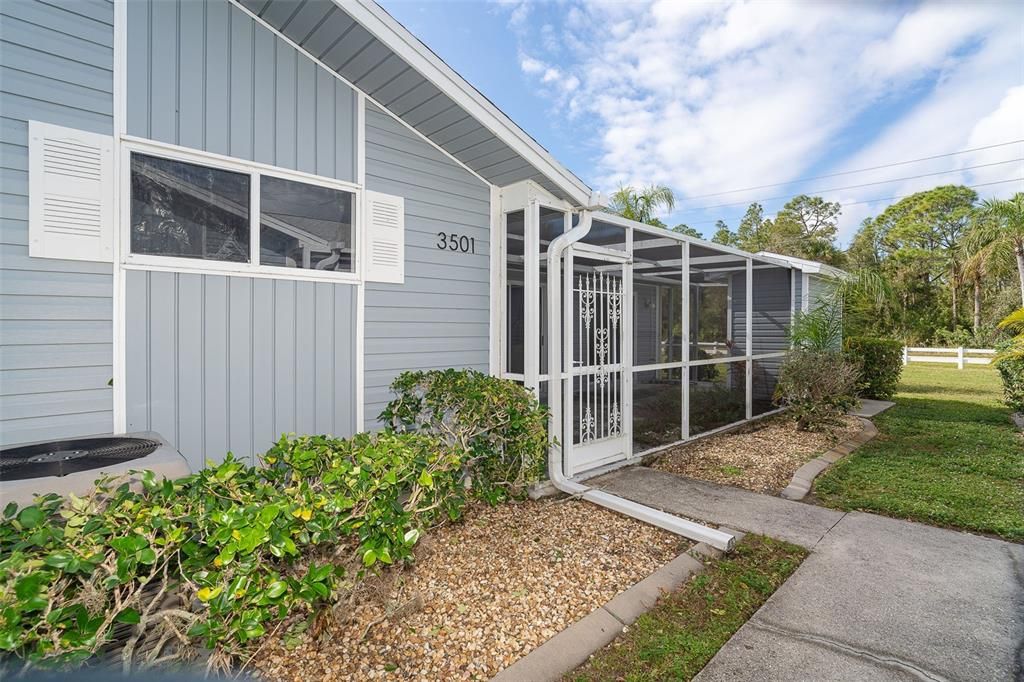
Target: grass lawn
[677,638]
[946,454]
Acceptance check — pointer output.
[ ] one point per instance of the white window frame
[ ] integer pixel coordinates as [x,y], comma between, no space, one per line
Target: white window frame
[254,170]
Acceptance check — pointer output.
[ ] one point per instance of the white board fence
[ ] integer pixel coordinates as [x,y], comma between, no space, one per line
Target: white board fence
[959,356]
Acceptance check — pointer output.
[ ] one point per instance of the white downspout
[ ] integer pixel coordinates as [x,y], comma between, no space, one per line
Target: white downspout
[688,529]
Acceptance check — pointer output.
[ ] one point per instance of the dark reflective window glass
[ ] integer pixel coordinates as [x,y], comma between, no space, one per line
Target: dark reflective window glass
[305,226]
[188,210]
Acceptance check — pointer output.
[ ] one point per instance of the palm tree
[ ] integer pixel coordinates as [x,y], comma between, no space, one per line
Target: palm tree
[997,238]
[641,205]
[1013,323]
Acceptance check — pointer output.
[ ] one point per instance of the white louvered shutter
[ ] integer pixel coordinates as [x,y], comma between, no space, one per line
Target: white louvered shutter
[385,238]
[71,193]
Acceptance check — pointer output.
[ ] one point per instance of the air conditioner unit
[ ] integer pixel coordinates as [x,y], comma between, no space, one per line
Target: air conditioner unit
[73,465]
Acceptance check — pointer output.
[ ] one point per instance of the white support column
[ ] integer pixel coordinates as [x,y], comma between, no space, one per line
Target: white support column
[792,298]
[906,355]
[531,294]
[685,431]
[960,357]
[119,361]
[626,319]
[497,262]
[360,252]
[750,338]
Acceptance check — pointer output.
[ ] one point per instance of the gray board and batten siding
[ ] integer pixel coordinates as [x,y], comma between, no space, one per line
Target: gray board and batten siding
[56,338]
[205,75]
[220,363]
[440,317]
[214,362]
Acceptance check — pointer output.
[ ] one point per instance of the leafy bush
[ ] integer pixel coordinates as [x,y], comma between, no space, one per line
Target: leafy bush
[240,547]
[500,423]
[817,387]
[881,364]
[1011,371]
[945,338]
[1010,360]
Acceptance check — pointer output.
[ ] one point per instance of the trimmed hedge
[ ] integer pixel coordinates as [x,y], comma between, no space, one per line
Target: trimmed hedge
[881,363]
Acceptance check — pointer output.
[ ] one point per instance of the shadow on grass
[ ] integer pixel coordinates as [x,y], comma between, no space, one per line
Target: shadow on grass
[979,391]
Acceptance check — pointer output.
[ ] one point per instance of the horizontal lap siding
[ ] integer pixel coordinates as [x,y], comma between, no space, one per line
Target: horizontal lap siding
[205,75]
[56,350]
[440,316]
[218,364]
[770,325]
[771,311]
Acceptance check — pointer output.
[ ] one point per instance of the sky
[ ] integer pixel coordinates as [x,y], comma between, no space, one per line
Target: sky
[733,102]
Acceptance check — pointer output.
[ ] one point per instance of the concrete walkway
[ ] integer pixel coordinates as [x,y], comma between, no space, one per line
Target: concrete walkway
[869,408]
[877,599]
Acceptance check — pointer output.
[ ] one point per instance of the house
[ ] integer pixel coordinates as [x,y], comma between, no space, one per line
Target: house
[228,220]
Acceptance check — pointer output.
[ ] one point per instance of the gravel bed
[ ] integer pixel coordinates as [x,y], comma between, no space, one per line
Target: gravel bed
[761,456]
[481,594]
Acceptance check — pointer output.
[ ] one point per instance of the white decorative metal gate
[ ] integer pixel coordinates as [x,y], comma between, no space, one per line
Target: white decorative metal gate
[597,386]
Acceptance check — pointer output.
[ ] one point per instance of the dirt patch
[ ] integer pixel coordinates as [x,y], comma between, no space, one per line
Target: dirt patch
[482,594]
[761,456]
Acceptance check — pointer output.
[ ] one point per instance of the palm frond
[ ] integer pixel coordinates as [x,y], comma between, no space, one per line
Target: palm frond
[1014,322]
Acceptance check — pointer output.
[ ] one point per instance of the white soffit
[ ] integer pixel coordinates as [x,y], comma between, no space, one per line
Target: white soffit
[367,47]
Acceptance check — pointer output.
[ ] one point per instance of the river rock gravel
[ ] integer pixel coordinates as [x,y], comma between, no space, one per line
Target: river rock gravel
[481,594]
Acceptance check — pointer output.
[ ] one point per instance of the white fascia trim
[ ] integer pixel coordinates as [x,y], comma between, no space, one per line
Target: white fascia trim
[614,219]
[359,92]
[119,335]
[407,46]
[811,266]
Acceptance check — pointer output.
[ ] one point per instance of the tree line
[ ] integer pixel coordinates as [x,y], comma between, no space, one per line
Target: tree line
[950,265]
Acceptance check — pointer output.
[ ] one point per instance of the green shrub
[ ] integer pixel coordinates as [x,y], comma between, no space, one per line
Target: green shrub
[500,423]
[881,363]
[817,387]
[240,546]
[1011,371]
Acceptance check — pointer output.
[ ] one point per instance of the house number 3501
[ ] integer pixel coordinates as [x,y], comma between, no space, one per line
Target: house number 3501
[460,243]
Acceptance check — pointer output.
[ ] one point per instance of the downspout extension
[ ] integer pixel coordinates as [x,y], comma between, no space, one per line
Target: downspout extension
[674,524]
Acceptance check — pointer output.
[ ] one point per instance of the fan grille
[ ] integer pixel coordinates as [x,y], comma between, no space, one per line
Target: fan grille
[63,457]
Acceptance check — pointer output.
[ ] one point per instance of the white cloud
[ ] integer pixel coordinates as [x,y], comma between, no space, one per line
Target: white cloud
[529,65]
[708,97]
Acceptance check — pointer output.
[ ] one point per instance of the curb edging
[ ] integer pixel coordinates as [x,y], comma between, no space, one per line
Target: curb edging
[804,477]
[573,646]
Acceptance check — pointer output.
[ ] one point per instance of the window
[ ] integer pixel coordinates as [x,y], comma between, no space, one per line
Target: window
[305,226]
[181,209]
[189,211]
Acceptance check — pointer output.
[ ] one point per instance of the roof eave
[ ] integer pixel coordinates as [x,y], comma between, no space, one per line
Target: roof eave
[403,43]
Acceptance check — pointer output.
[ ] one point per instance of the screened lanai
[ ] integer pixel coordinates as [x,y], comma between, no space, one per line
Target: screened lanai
[658,338]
